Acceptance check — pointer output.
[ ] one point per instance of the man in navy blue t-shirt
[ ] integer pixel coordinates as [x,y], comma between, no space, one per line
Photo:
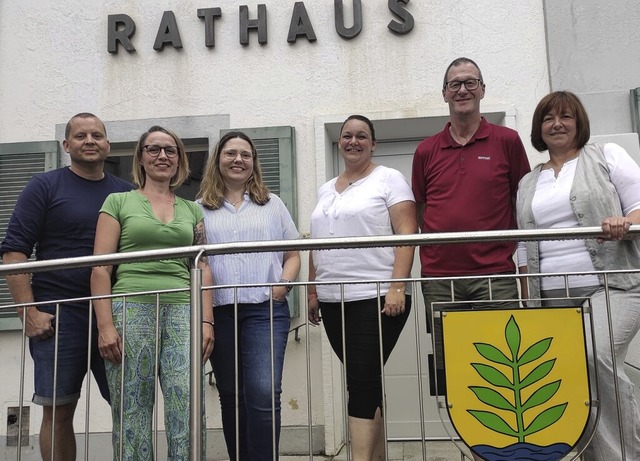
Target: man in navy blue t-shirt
[56,214]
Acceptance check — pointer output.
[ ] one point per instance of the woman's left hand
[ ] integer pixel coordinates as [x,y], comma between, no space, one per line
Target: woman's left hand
[394,302]
[615,228]
[207,341]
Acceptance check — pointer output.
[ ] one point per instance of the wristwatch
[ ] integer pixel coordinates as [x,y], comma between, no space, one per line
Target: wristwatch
[288,287]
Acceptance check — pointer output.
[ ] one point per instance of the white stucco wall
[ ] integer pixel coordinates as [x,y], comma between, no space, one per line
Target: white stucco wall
[593,51]
[54,63]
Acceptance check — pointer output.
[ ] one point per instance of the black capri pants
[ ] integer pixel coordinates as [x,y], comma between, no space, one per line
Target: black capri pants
[364,377]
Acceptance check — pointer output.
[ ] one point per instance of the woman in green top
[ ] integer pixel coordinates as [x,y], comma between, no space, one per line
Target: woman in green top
[151,217]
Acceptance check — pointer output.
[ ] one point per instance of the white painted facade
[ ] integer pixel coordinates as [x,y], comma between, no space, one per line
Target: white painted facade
[593,52]
[54,63]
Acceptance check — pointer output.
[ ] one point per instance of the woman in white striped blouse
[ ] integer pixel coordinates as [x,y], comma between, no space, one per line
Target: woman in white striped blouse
[238,207]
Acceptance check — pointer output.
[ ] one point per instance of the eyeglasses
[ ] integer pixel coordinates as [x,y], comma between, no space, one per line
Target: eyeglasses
[154,150]
[470,85]
[232,154]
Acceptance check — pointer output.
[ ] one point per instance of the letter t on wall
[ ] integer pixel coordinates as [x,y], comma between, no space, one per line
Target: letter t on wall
[209,14]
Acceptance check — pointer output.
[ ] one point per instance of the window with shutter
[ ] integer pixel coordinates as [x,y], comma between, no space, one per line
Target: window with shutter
[276,148]
[18,163]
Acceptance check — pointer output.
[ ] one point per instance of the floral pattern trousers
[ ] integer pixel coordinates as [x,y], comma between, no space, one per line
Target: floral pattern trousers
[136,375]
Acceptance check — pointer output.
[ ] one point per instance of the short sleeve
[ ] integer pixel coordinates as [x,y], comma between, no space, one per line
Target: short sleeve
[113,205]
[289,230]
[398,189]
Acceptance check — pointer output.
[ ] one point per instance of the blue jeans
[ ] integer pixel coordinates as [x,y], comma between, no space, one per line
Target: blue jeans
[255,387]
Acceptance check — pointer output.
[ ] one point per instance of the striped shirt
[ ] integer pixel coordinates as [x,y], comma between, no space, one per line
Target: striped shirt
[250,222]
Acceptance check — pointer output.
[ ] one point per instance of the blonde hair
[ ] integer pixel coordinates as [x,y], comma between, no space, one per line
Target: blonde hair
[137,171]
[212,187]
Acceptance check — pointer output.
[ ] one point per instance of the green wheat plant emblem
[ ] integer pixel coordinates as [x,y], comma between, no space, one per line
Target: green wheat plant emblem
[516,383]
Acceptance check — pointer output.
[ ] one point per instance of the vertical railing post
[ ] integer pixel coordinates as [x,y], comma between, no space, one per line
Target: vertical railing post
[195,404]
[23,348]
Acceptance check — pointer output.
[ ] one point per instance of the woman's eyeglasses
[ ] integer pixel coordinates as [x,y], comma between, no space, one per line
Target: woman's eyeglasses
[232,154]
[154,150]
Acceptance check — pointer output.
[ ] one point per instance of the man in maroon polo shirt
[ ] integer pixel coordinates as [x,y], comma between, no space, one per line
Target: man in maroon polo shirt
[465,178]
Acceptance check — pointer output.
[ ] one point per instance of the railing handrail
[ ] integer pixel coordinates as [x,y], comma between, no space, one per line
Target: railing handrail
[436,238]
[305,283]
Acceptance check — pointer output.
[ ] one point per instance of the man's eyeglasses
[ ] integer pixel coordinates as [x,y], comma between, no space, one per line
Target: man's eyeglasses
[154,150]
[470,85]
[232,154]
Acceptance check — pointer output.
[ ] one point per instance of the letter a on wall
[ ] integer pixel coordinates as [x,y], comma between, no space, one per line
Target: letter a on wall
[517,381]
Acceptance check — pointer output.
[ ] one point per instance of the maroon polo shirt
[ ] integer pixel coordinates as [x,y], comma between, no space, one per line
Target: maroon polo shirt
[469,188]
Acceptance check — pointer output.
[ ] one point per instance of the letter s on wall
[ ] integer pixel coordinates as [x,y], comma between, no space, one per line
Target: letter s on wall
[398,10]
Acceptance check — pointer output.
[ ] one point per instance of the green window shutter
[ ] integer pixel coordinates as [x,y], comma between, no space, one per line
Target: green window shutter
[18,163]
[276,150]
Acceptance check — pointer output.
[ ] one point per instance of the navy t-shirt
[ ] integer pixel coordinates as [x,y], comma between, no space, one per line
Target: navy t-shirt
[56,214]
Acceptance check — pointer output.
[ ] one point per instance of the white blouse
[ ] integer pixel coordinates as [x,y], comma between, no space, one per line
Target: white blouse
[552,210]
[362,209]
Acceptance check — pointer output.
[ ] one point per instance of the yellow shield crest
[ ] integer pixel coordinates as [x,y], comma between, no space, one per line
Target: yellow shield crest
[517,380]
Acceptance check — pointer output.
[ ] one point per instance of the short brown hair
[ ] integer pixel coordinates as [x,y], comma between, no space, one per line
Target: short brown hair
[560,101]
[137,171]
[67,128]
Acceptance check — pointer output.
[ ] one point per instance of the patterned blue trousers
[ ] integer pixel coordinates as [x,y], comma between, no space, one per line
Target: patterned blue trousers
[139,367]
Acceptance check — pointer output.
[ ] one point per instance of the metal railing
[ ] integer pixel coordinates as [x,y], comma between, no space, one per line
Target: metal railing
[269,246]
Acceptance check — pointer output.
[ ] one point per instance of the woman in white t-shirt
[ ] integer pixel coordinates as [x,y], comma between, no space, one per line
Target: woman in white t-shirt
[586,184]
[366,199]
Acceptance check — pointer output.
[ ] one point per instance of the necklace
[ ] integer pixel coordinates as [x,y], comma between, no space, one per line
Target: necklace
[157,198]
[358,176]
[234,203]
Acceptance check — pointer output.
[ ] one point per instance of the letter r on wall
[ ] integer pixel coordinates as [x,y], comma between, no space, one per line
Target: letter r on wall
[120,29]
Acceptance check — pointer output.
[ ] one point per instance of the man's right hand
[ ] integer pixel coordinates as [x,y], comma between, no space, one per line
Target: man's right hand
[38,324]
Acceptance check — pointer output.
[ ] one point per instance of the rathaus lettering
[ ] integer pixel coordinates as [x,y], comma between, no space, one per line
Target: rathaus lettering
[122,27]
